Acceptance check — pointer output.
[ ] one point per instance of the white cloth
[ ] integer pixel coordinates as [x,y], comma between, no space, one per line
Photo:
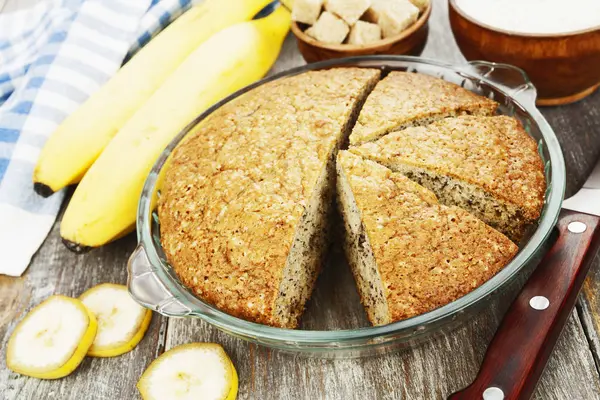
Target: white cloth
[52,57]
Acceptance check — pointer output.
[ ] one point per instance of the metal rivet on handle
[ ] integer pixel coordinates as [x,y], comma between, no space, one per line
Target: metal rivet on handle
[493,393]
[577,227]
[539,302]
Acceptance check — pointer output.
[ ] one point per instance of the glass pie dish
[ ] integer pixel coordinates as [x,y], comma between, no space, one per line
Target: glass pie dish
[334,324]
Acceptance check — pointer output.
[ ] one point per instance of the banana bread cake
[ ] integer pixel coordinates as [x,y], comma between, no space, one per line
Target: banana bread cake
[244,208]
[247,196]
[408,253]
[487,165]
[404,99]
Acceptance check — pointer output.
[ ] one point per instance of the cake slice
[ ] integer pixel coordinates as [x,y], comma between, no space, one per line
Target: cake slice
[404,99]
[244,208]
[409,254]
[487,165]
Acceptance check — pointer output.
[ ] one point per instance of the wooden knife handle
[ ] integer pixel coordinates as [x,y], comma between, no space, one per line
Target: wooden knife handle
[526,337]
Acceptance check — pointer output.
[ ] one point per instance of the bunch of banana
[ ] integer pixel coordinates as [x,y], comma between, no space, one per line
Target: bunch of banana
[111,142]
[80,139]
[54,337]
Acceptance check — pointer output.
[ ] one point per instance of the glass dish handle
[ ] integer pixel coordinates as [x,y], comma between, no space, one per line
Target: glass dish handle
[513,80]
[146,288]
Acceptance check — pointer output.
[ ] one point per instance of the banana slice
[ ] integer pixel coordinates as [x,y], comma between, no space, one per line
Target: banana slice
[190,371]
[122,322]
[52,339]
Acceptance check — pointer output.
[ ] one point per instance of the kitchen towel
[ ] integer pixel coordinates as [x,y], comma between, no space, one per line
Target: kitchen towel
[52,57]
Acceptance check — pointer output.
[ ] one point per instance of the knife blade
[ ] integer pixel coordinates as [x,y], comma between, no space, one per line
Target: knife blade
[523,343]
[587,199]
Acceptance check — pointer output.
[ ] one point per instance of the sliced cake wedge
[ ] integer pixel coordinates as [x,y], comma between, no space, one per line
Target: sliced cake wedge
[404,99]
[244,209]
[408,253]
[489,166]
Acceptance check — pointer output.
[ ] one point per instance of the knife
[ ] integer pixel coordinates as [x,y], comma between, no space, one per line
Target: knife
[523,343]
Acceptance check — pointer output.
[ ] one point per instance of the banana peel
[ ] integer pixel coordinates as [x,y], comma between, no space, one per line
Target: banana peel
[288,3]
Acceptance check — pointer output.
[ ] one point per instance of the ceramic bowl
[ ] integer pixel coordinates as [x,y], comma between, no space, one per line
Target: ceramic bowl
[563,67]
[409,42]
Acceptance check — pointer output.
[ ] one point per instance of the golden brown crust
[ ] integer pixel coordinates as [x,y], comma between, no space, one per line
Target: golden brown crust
[427,254]
[403,99]
[237,188]
[494,153]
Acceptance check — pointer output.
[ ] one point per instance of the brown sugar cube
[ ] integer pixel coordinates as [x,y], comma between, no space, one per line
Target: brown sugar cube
[329,29]
[364,32]
[392,16]
[348,10]
[420,4]
[306,11]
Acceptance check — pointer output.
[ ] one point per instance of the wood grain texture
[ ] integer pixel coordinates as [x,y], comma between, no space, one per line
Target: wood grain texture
[56,271]
[430,371]
[589,308]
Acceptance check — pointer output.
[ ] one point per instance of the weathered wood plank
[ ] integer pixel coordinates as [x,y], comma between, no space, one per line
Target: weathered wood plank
[589,309]
[578,129]
[55,270]
[428,372]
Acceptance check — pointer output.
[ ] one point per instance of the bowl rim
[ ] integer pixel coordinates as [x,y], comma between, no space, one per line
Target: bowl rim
[421,21]
[320,340]
[560,35]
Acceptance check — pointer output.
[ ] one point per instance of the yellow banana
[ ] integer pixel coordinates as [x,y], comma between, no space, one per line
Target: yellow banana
[52,340]
[104,204]
[194,370]
[288,3]
[80,139]
[122,322]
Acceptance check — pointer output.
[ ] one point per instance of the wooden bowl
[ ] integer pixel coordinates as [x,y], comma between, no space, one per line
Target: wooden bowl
[563,67]
[411,42]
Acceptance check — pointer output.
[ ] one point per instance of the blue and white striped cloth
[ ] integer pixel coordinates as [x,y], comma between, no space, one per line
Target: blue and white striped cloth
[52,57]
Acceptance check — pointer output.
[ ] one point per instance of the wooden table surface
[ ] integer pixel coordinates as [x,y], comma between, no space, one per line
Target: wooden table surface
[430,371]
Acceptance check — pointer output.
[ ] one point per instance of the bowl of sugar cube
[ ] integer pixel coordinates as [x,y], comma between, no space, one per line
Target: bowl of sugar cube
[327,29]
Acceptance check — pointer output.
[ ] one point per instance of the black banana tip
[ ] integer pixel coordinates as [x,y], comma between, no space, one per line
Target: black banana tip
[42,190]
[267,10]
[76,247]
